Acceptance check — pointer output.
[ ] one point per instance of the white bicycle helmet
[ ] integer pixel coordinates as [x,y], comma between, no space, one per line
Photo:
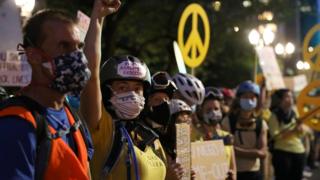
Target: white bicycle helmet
[177,106]
[190,87]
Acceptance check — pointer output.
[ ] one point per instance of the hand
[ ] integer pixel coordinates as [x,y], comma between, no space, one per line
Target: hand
[230,175]
[175,170]
[104,8]
[193,174]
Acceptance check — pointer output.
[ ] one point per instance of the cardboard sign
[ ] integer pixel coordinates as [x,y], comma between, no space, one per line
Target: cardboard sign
[83,24]
[296,83]
[14,69]
[209,160]
[183,148]
[270,68]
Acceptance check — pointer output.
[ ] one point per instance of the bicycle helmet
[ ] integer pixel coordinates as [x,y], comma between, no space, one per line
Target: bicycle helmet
[190,87]
[162,82]
[125,68]
[248,86]
[213,93]
[227,93]
[177,106]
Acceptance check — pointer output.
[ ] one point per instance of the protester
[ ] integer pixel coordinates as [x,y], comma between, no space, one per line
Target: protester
[250,132]
[209,116]
[124,147]
[180,112]
[47,140]
[286,132]
[157,113]
[228,97]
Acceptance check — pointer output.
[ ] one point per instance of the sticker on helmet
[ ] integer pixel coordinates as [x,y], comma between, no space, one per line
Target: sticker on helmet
[131,69]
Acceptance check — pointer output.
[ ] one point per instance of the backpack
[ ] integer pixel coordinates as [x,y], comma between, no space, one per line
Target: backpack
[43,135]
[233,127]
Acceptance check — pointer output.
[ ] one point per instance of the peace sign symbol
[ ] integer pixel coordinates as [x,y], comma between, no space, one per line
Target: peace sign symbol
[313,57]
[309,101]
[194,49]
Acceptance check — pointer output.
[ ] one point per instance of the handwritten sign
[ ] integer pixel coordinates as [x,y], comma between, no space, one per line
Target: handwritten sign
[209,160]
[83,24]
[183,148]
[14,69]
[270,68]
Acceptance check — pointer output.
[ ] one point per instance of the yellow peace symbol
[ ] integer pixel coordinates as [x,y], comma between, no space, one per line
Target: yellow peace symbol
[308,104]
[313,57]
[194,49]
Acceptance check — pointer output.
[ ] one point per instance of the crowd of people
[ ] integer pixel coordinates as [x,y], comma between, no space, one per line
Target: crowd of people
[79,120]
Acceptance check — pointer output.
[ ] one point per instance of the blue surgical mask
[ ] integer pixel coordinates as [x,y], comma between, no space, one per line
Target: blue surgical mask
[248,104]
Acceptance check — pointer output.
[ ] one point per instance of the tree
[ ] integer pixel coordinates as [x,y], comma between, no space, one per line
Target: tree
[147,28]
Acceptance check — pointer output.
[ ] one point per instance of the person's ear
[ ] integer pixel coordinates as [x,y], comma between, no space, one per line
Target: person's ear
[33,56]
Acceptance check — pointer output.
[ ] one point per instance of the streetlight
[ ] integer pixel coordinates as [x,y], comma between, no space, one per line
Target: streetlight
[268,36]
[264,37]
[286,50]
[254,37]
[302,65]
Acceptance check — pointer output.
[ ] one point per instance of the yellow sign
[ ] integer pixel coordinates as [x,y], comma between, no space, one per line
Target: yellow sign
[194,48]
[313,57]
[309,101]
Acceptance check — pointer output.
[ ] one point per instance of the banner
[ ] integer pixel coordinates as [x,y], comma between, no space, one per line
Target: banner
[14,69]
[209,160]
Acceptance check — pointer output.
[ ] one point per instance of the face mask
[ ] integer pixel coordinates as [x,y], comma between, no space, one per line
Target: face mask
[248,104]
[127,105]
[71,72]
[213,117]
[160,113]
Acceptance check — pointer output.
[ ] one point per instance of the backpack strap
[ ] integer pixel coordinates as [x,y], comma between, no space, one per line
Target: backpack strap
[233,128]
[116,149]
[42,132]
[232,123]
[81,125]
[258,129]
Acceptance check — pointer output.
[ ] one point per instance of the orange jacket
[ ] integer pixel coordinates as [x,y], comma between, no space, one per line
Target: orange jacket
[63,163]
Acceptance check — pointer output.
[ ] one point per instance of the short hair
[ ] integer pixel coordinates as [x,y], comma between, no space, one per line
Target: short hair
[32,30]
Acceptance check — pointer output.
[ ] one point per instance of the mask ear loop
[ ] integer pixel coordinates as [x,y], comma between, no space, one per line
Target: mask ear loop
[21,48]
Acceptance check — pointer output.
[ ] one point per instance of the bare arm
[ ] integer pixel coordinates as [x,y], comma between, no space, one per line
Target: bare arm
[91,97]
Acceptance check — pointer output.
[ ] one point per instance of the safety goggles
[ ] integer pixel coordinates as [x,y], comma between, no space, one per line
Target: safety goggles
[162,80]
[214,94]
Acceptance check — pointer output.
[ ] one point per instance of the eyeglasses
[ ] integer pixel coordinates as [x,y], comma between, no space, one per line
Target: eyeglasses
[162,80]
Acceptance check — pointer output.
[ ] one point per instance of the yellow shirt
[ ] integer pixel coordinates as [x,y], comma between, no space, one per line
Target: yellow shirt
[150,165]
[290,144]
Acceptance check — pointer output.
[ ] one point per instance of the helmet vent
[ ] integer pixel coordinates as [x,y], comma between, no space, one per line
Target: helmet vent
[180,81]
[189,82]
[130,58]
